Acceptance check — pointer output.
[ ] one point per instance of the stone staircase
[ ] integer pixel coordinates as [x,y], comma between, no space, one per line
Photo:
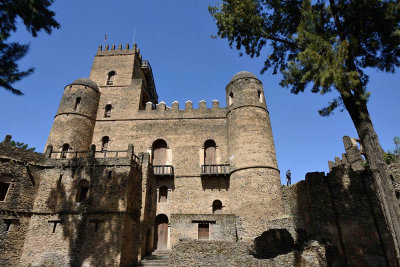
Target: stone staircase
[157,258]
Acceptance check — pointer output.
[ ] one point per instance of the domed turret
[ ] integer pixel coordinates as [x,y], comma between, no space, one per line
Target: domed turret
[243,74]
[86,82]
[75,119]
[251,152]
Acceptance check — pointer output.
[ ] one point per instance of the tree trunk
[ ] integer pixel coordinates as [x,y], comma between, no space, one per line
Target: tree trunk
[374,156]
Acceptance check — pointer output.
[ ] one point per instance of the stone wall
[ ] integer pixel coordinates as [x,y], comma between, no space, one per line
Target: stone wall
[342,211]
[196,253]
[64,231]
[23,167]
[185,226]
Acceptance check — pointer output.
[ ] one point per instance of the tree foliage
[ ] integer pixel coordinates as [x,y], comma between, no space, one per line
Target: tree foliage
[36,16]
[390,156]
[22,145]
[321,44]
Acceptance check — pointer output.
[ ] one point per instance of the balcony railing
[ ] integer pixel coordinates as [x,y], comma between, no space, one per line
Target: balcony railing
[68,154]
[163,170]
[97,154]
[110,154]
[215,169]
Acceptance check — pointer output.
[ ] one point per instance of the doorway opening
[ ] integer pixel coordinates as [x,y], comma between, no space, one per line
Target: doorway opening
[161,233]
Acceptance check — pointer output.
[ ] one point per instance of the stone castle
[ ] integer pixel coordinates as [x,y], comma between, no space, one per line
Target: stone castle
[125,180]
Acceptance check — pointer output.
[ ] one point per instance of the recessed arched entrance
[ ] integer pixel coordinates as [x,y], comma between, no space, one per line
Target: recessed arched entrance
[161,233]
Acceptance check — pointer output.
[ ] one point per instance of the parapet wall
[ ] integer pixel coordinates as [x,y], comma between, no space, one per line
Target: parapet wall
[161,110]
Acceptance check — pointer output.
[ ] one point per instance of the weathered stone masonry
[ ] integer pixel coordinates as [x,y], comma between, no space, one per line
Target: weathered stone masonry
[123,175]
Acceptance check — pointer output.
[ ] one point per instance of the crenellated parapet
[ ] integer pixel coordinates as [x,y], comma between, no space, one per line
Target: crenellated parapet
[118,50]
[353,156]
[161,110]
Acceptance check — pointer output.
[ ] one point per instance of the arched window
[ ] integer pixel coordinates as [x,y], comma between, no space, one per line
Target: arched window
[83,190]
[230,98]
[5,182]
[104,143]
[163,194]
[159,155]
[217,207]
[210,156]
[107,111]
[64,151]
[77,103]
[260,96]
[110,78]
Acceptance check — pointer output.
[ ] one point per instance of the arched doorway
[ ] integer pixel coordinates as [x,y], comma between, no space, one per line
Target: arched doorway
[161,234]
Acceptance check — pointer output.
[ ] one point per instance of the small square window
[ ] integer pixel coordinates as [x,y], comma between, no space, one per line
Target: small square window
[204,231]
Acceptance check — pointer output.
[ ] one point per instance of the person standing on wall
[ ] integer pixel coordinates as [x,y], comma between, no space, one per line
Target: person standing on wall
[288,178]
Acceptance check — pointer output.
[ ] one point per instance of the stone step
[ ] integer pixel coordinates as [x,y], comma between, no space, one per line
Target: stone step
[148,263]
[157,259]
[161,252]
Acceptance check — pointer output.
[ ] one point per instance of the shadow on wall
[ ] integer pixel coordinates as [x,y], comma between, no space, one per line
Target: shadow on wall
[215,183]
[272,243]
[95,231]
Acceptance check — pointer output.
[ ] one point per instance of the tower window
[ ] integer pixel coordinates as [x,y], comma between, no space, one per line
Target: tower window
[104,143]
[8,223]
[230,98]
[5,182]
[163,194]
[217,207]
[107,111]
[260,96]
[110,78]
[64,151]
[77,103]
[83,189]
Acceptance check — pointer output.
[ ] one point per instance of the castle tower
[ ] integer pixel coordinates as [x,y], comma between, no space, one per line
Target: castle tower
[255,180]
[125,80]
[75,119]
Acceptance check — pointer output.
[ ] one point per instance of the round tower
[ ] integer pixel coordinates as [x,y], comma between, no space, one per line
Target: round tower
[75,119]
[255,181]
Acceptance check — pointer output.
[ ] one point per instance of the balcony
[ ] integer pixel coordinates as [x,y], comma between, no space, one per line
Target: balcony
[215,170]
[163,170]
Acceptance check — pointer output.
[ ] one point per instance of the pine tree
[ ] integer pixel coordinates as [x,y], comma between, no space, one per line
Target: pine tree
[36,16]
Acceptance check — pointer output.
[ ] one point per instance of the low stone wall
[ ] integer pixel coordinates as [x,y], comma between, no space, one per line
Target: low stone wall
[185,226]
[224,253]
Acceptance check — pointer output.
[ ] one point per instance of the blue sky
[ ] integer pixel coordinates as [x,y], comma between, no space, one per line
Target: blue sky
[188,65]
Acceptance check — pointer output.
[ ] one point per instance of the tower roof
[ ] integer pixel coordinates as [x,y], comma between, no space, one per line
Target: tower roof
[86,82]
[243,74]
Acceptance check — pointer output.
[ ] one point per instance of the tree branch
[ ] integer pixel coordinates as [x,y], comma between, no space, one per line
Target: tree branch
[337,20]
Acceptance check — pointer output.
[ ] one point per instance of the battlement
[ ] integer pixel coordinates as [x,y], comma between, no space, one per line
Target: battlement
[174,111]
[353,156]
[118,50]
